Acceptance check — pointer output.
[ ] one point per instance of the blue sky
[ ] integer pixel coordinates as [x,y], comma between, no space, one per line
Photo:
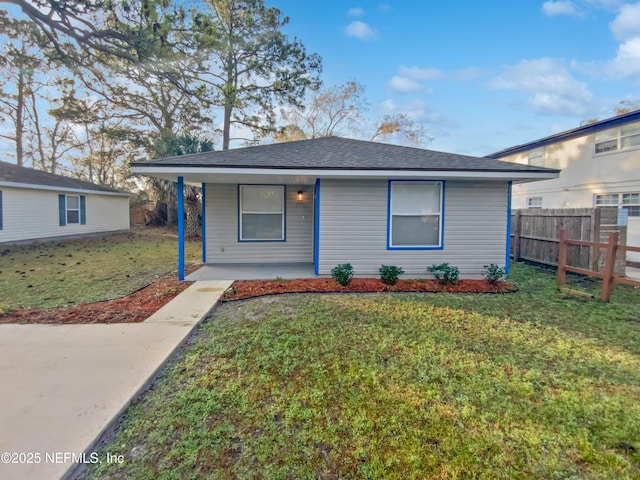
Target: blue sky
[481,76]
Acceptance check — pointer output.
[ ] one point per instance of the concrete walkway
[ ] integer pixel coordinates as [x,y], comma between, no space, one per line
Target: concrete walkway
[62,385]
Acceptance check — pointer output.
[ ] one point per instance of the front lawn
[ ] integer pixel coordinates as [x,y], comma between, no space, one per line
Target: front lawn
[89,269]
[524,385]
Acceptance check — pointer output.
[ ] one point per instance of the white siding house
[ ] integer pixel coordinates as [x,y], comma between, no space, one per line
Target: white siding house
[600,165]
[35,205]
[332,200]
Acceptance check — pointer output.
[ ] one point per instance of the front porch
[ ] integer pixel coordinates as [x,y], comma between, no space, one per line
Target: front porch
[252,271]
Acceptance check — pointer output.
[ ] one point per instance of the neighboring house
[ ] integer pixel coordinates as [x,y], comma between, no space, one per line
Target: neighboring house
[332,200]
[36,204]
[600,165]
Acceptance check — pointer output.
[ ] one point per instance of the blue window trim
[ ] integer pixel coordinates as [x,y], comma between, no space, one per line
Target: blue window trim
[507,259]
[180,189]
[62,210]
[203,216]
[284,212]
[442,204]
[316,227]
[0,209]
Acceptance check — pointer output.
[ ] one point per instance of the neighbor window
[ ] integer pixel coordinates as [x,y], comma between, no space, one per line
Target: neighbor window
[415,214]
[536,157]
[73,209]
[534,202]
[261,212]
[629,201]
[627,136]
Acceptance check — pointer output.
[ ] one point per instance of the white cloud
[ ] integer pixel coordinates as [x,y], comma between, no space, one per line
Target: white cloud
[419,111]
[404,85]
[560,7]
[627,61]
[356,11]
[383,7]
[627,24]
[360,30]
[551,86]
[420,74]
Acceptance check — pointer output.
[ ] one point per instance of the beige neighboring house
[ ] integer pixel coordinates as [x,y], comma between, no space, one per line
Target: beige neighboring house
[600,165]
[36,204]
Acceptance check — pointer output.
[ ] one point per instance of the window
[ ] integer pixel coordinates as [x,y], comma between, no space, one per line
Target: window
[415,214]
[610,199]
[627,136]
[631,201]
[534,202]
[628,201]
[261,211]
[536,157]
[72,209]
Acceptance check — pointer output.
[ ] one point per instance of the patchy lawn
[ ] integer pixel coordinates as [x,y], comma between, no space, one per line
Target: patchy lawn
[90,269]
[526,385]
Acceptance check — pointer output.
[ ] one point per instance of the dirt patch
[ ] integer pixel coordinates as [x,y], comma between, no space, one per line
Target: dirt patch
[253,288]
[133,308]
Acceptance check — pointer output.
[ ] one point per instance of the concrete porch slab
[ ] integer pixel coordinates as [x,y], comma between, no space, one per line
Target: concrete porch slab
[252,271]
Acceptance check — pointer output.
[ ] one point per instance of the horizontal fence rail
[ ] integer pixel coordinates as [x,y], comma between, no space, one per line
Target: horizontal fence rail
[608,274]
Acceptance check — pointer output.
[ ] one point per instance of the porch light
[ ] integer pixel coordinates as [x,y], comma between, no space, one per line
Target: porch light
[300,195]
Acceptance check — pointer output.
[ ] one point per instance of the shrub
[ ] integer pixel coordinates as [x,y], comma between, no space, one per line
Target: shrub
[389,274]
[445,273]
[492,273]
[342,274]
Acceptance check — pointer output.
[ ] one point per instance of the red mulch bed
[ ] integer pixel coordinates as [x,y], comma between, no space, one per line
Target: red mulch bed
[253,288]
[133,308]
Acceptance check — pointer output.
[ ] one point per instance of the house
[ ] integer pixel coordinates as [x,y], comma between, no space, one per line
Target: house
[600,165]
[333,200]
[36,204]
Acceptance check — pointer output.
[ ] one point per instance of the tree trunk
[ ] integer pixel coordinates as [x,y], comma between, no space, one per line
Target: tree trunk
[20,120]
[192,224]
[226,128]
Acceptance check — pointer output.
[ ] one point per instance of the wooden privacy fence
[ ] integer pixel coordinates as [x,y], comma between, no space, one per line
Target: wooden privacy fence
[534,236]
[608,275]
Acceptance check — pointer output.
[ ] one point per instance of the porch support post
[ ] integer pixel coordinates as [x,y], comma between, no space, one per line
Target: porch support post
[316,226]
[508,254]
[204,223]
[180,228]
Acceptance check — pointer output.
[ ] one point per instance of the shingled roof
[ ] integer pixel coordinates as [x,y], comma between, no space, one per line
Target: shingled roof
[12,173]
[336,153]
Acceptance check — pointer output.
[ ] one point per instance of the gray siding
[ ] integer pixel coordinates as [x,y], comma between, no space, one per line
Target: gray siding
[222,229]
[353,228]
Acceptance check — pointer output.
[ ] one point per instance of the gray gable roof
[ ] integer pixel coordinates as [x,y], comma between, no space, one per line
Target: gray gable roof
[12,173]
[335,153]
[588,129]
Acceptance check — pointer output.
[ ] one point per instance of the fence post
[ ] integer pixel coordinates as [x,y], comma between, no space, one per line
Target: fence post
[609,267]
[595,237]
[516,236]
[562,257]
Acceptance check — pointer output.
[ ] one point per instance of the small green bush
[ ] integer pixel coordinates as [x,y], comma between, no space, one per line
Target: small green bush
[445,273]
[389,274]
[342,274]
[493,273]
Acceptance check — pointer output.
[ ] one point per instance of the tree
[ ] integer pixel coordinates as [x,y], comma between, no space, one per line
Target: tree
[401,128]
[167,191]
[338,110]
[22,56]
[252,64]
[85,31]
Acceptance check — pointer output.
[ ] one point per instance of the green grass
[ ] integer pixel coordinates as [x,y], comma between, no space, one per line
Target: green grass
[47,274]
[526,385]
